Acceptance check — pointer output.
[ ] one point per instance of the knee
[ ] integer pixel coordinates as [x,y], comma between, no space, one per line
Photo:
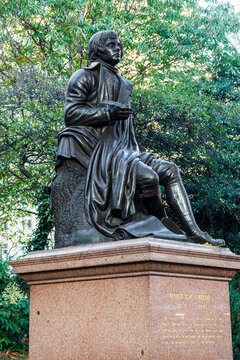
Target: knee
[171,174]
[148,183]
[174,171]
[152,178]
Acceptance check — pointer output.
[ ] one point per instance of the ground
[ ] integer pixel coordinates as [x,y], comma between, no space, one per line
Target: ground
[13,356]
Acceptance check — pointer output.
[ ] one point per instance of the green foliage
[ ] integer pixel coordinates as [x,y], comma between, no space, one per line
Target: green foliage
[31,117]
[40,239]
[180,122]
[55,33]
[182,62]
[5,272]
[235,315]
[186,104]
[14,312]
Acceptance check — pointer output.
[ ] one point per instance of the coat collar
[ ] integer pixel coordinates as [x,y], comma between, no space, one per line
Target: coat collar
[95,64]
[92,66]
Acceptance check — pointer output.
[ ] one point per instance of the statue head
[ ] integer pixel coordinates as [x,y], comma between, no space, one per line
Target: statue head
[107,46]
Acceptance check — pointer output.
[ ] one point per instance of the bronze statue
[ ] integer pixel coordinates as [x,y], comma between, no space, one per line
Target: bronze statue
[99,144]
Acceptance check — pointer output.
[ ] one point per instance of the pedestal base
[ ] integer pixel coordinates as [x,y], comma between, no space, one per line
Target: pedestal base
[135,299]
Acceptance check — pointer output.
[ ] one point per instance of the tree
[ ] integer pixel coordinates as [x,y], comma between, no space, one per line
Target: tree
[29,123]
[182,62]
[186,104]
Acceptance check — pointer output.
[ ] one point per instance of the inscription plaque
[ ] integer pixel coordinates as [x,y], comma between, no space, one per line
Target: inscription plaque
[195,319]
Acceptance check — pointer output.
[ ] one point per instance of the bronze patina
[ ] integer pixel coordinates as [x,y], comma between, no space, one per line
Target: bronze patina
[98,152]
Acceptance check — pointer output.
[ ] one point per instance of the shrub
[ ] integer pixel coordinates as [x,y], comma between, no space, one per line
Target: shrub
[14,311]
[235,315]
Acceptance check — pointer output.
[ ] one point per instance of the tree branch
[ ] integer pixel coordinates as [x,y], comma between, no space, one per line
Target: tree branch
[24,171]
[28,211]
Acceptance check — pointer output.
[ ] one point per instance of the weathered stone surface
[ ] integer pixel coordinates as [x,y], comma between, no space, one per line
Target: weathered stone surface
[67,202]
[136,299]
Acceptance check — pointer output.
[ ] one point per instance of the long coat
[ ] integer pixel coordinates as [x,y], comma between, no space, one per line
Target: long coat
[108,150]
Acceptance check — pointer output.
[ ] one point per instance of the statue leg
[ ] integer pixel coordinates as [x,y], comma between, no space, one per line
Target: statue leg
[167,174]
[177,198]
[148,184]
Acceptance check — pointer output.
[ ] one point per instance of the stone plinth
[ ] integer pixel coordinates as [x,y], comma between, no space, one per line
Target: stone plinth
[145,298]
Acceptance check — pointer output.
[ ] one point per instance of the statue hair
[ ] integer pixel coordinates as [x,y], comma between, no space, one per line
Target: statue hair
[97,41]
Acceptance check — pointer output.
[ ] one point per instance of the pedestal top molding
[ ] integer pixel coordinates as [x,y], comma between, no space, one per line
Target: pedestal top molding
[132,256]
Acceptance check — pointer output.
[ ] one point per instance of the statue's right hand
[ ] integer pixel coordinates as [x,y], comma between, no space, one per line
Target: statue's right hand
[119,113]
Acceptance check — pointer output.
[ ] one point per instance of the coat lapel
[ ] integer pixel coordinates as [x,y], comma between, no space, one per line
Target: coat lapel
[125,91]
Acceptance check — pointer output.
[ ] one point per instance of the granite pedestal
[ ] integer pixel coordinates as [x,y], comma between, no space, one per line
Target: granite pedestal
[145,298]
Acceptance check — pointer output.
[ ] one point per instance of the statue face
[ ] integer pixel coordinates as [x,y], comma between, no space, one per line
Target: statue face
[111,52]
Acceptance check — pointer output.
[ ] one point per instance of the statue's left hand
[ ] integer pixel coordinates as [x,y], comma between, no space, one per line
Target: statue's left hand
[120,113]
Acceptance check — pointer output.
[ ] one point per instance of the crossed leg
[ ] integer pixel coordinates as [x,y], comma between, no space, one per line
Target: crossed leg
[167,174]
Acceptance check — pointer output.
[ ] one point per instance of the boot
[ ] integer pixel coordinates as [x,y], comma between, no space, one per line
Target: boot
[177,199]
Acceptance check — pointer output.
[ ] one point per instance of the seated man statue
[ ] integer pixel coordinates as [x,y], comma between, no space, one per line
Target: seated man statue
[101,150]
